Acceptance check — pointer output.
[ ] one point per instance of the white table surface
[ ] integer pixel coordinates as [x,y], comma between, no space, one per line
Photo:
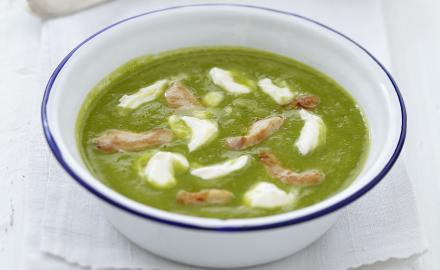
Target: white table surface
[413,37]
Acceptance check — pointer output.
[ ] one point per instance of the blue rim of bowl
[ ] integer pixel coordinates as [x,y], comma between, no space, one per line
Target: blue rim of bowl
[55,150]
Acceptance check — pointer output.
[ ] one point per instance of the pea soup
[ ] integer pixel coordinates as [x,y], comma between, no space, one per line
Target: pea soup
[222,132]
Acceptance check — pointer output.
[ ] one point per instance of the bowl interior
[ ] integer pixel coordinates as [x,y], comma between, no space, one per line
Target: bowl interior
[277,32]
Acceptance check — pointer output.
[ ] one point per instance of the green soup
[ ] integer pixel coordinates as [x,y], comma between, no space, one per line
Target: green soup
[339,158]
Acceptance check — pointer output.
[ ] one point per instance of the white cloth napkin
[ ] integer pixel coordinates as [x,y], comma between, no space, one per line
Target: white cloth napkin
[53,8]
[64,220]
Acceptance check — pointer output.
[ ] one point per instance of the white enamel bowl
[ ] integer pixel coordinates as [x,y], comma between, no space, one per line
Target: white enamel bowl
[212,242]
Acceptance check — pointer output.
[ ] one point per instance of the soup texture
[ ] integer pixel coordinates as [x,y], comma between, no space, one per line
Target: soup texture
[222,132]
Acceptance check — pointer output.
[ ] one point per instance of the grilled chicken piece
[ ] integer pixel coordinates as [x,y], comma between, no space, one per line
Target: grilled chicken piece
[206,196]
[178,96]
[259,131]
[119,140]
[305,101]
[276,170]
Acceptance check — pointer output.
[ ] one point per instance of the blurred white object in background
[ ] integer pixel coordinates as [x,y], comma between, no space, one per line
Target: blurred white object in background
[54,8]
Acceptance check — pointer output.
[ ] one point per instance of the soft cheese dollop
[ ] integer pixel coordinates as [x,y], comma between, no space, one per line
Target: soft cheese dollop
[312,134]
[221,169]
[268,196]
[203,131]
[142,96]
[224,79]
[162,167]
[281,95]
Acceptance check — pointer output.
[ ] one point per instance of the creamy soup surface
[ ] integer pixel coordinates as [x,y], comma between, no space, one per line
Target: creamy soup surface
[222,132]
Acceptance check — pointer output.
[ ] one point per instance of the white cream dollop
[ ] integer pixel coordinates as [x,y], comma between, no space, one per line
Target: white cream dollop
[224,79]
[142,96]
[312,134]
[203,131]
[221,169]
[268,196]
[281,95]
[162,167]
